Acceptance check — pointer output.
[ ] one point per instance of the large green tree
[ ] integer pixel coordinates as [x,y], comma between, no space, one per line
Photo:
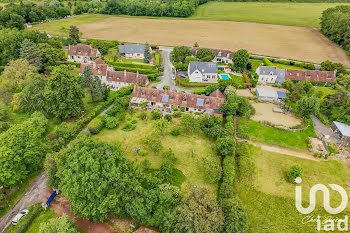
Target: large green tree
[237,105]
[63,93]
[31,52]
[205,54]
[58,225]
[31,98]
[240,60]
[180,53]
[147,53]
[74,33]
[308,105]
[50,55]
[200,212]
[236,219]
[17,74]
[93,85]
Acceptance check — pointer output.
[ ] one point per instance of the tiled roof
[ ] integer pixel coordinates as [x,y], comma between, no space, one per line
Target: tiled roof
[82,50]
[218,52]
[99,69]
[127,77]
[217,93]
[179,99]
[311,75]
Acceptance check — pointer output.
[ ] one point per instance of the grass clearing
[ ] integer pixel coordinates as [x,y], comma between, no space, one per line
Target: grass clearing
[270,201]
[44,217]
[262,133]
[283,13]
[188,149]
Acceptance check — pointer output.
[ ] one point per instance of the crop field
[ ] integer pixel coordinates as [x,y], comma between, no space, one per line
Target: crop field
[292,14]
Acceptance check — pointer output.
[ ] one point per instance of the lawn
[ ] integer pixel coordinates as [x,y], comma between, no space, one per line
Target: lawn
[44,217]
[262,133]
[237,79]
[270,200]
[61,27]
[282,66]
[292,14]
[189,149]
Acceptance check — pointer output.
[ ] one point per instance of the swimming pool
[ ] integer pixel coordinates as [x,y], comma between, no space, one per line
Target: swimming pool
[225,76]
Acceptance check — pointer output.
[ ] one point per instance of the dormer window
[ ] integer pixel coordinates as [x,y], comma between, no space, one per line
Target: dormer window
[154,95]
[142,93]
[171,97]
[207,102]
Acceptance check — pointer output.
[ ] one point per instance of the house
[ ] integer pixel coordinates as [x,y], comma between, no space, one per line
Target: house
[273,75]
[343,131]
[224,56]
[311,75]
[270,95]
[203,72]
[114,79]
[269,74]
[132,51]
[167,100]
[82,53]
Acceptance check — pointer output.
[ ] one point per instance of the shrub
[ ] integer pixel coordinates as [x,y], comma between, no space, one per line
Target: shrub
[27,220]
[226,146]
[236,218]
[133,122]
[267,62]
[111,122]
[156,115]
[143,115]
[175,132]
[177,114]
[212,170]
[142,153]
[96,125]
[153,143]
[174,107]
[166,87]
[246,164]
[128,127]
[168,117]
[294,172]
[199,92]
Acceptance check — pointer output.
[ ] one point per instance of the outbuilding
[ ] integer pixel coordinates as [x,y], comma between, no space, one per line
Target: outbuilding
[343,131]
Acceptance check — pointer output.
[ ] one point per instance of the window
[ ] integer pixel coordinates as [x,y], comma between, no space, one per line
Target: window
[171,97]
[207,102]
[154,95]
[214,76]
[298,74]
[184,98]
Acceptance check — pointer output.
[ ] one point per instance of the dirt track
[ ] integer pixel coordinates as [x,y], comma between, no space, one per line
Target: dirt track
[274,40]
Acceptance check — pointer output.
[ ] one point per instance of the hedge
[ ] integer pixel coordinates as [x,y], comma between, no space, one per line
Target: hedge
[96,125]
[132,65]
[76,64]
[191,84]
[267,62]
[199,92]
[141,71]
[26,221]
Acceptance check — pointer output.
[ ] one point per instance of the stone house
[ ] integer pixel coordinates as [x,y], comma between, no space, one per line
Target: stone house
[82,53]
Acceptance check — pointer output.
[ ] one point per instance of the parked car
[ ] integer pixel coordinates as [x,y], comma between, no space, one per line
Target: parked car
[19,216]
[183,76]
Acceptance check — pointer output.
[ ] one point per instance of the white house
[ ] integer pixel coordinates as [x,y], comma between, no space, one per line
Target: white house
[203,72]
[82,53]
[269,74]
[133,51]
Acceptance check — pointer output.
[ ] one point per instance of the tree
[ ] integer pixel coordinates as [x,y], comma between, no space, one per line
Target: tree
[230,90]
[294,172]
[226,146]
[195,45]
[307,106]
[51,56]
[204,53]
[31,52]
[199,213]
[240,60]
[17,73]
[236,219]
[237,105]
[148,54]
[58,225]
[4,112]
[31,98]
[180,53]
[161,125]
[189,123]
[63,93]
[330,66]
[289,85]
[16,21]
[74,33]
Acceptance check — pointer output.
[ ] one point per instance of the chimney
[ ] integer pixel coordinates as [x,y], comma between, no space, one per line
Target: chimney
[125,73]
[137,74]
[94,65]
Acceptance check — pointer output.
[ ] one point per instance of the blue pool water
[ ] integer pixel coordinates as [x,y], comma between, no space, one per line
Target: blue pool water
[225,76]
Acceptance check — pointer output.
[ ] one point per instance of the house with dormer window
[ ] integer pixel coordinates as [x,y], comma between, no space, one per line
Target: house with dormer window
[82,53]
[203,72]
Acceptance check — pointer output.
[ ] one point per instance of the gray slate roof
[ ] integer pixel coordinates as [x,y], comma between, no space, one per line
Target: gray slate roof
[344,129]
[131,48]
[203,67]
[272,70]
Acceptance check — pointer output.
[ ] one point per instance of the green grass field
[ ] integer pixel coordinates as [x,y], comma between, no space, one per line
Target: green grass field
[188,149]
[262,133]
[270,199]
[293,14]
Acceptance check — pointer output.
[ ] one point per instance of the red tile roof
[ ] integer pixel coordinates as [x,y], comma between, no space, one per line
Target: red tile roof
[218,52]
[99,69]
[82,50]
[179,99]
[311,75]
[127,77]
[217,93]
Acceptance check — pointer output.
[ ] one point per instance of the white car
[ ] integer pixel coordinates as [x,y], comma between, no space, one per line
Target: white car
[19,216]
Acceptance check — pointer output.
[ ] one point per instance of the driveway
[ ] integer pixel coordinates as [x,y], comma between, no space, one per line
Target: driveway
[35,193]
[168,74]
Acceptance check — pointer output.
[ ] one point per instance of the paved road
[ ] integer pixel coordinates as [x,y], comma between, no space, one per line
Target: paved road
[35,193]
[168,74]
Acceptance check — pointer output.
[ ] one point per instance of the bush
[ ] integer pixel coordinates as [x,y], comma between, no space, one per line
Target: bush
[128,127]
[199,92]
[246,164]
[133,122]
[267,62]
[226,146]
[153,143]
[156,115]
[174,107]
[166,87]
[142,153]
[212,170]
[175,132]
[294,172]
[111,122]
[26,221]
[168,117]
[177,114]
[96,125]
[143,115]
